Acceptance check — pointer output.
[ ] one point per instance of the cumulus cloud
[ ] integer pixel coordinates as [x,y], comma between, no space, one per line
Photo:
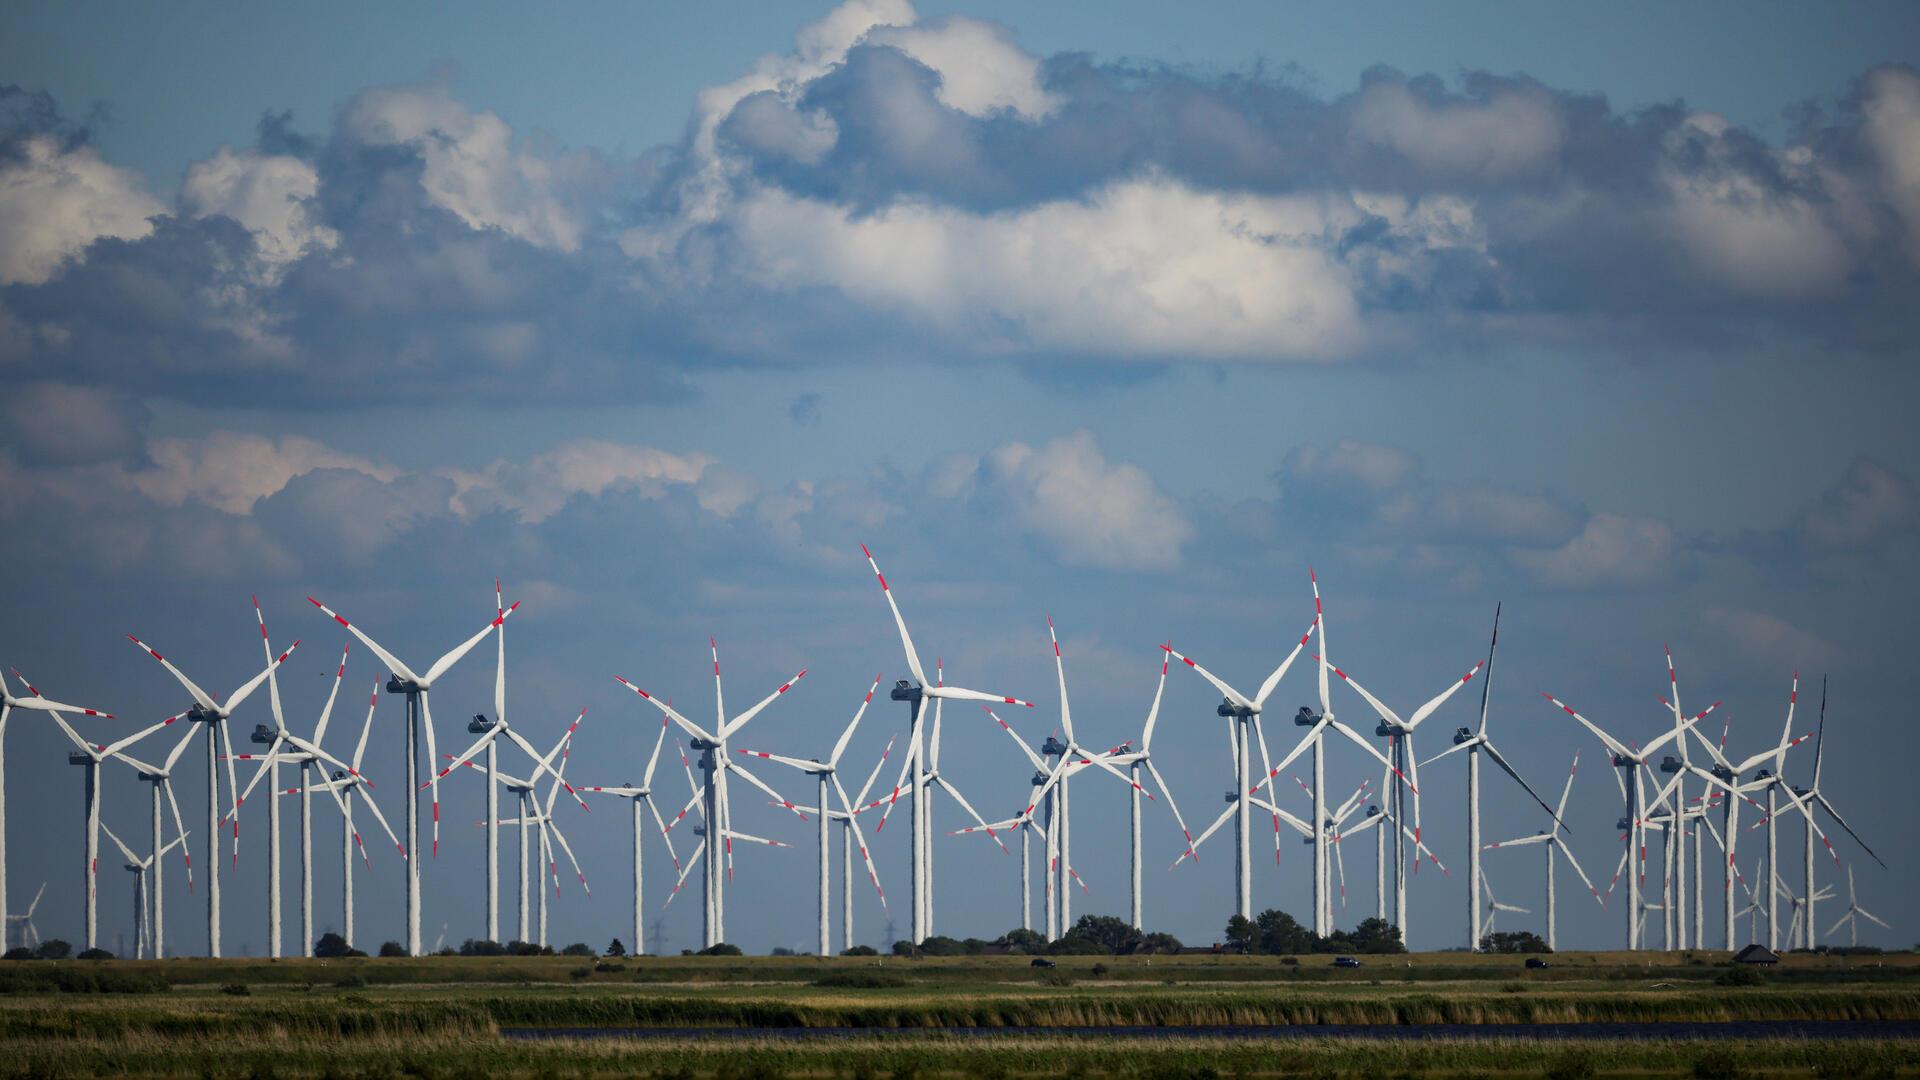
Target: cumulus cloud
[536,489]
[1369,491]
[1870,505]
[57,194]
[1613,551]
[981,70]
[1089,510]
[268,193]
[1768,638]
[232,471]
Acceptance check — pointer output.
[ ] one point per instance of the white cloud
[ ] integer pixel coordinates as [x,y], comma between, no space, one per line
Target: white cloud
[1611,552]
[538,488]
[1758,635]
[470,165]
[1094,512]
[1870,504]
[231,471]
[1891,109]
[1515,132]
[267,193]
[981,70]
[1141,267]
[55,200]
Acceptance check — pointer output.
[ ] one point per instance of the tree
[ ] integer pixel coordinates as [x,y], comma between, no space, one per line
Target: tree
[903,948]
[95,954]
[1076,946]
[1023,940]
[578,948]
[860,950]
[330,946]
[1242,935]
[482,947]
[721,949]
[54,949]
[1160,942]
[1517,941]
[1116,936]
[392,949]
[942,945]
[18,952]
[1281,934]
[615,948]
[1377,936]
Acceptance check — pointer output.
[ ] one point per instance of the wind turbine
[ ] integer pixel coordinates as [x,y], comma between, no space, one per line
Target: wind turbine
[1134,762]
[550,834]
[824,773]
[90,756]
[419,718]
[1399,736]
[1494,907]
[530,816]
[27,931]
[714,761]
[916,694]
[642,800]
[1851,920]
[1551,839]
[215,714]
[1473,742]
[1811,796]
[145,939]
[342,786]
[35,703]
[1630,761]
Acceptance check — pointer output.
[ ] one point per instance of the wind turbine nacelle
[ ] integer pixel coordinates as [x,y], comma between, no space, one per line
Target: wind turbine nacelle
[1305,717]
[1799,792]
[478,725]
[1723,773]
[698,743]
[151,778]
[1232,796]
[262,735]
[699,830]
[1623,823]
[1228,709]
[1461,735]
[1039,778]
[904,690]
[1053,747]
[198,715]
[1669,764]
[75,757]
[1383,730]
[339,774]
[1621,761]
[1307,840]
[1373,811]
[1763,774]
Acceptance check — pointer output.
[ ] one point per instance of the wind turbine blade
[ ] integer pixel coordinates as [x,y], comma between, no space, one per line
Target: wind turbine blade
[199,695]
[763,786]
[1875,919]
[781,759]
[1060,666]
[1378,705]
[494,730]
[1371,750]
[1561,810]
[859,838]
[1273,680]
[273,681]
[906,639]
[267,761]
[1320,621]
[1486,685]
[1440,699]
[1219,684]
[124,849]
[698,850]
[1298,749]
[1193,847]
[454,655]
[877,766]
[326,712]
[1612,744]
[1680,729]
[233,793]
[1828,807]
[1536,838]
[247,688]
[180,829]
[971,812]
[1575,863]
[433,779]
[961,693]
[113,749]
[393,662]
[664,835]
[653,759]
[1161,783]
[554,828]
[1153,713]
[1475,741]
[840,745]
[906,765]
[1510,771]
[360,748]
[667,710]
[740,721]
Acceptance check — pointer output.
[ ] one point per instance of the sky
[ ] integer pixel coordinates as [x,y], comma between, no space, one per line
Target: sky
[1118,314]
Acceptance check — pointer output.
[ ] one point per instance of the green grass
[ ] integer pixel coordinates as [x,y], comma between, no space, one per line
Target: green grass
[441,1016]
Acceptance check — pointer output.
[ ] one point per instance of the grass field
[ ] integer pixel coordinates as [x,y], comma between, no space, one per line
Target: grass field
[443,1016]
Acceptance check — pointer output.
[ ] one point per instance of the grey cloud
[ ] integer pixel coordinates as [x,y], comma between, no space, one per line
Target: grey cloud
[50,423]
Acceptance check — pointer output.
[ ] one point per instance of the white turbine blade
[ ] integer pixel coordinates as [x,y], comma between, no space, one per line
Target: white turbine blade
[1511,771]
[1295,823]
[314,749]
[764,786]
[267,761]
[1273,680]
[1475,741]
[736,834]
[233,789]
[1828,807]
[906,639]
[1680,728]
[667,710]
[1153,713]
[393,662]
[740,721]
[326,712]
[653,759]
[36,701]
[180,828]
[1193,848]
[664,834]
[542,764]
[1575,863]
[433,779]
[273,681]
[1875,919]
[1612,744]
[698,849]
[1168,792]
[906,767]
[500,654]
[199,695]
[840,745]
[124,849]
[1039,764]
[454,654]
[1560,811]
[1320,622]
[875,774]
[1298,748]
[72,735]
[247,688]
[554,828]
[113,749]
[1372,751]
[1219,684]
[948,787]
[781,759]
[360,748]
[1378,705]
[1060,666]
[493,731]
[1536,838]
[1440,699]
[961,693]
[361,790]
[860,838]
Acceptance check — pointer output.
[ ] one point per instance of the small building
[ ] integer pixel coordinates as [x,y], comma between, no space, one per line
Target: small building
[1756,954]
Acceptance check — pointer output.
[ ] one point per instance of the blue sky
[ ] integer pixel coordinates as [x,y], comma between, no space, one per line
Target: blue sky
[1115,313]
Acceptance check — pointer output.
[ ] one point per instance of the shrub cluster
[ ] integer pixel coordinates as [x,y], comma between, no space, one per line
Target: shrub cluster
[1275,932]
[1518,941]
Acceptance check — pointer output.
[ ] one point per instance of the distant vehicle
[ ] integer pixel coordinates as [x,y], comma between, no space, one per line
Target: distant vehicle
[1536,962]
[1041,961]
[1346,961]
